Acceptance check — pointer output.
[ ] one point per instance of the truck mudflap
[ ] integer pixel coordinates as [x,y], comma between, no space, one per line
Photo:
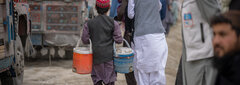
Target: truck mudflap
[19,56]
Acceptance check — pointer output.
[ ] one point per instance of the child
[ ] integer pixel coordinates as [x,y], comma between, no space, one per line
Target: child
[103,31]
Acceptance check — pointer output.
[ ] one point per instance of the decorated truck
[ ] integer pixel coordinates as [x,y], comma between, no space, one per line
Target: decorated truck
[14,39]
[32,27]
[56,26]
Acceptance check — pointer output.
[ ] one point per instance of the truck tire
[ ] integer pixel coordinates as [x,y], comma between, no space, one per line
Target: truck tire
[5,78]
[18,80]
[8,80]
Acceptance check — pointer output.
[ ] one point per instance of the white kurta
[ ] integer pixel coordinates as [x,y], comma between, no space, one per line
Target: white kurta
[151,53]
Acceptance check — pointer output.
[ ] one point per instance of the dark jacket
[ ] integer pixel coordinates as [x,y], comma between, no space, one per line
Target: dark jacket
[103,31]
[234,5]
[229,73]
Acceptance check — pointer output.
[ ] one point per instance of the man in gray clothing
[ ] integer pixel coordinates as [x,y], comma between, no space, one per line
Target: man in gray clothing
[150,44]
[196,64]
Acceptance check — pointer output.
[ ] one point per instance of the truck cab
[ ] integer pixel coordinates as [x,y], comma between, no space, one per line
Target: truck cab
[14,31]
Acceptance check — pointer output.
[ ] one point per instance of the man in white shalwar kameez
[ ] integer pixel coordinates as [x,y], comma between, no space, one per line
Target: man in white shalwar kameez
[150,45]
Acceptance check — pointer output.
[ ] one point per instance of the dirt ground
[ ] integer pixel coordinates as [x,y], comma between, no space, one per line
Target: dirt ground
[38,71]
[174,40]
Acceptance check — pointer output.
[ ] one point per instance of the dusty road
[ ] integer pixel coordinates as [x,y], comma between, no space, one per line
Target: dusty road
[60,73]
[174,41]
[38,72]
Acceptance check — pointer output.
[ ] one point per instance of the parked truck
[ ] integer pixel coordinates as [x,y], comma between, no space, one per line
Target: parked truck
[32,27]
[56,25]
[14,34]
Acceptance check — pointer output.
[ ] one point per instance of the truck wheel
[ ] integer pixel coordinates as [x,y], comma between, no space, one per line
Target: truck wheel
[7,80]
[18,80]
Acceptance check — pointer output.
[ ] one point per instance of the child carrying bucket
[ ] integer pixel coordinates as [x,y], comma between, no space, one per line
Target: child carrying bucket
[103,31]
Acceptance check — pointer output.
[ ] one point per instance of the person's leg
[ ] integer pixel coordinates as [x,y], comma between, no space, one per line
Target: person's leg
[99,83]
[97,74]
[193,71]
[111,83]
[136,76]
[183,61]
[200,72]
[142,78]
[109,73]
[104,73]
[130,78]
[179,77]
[210,73]
[158,78]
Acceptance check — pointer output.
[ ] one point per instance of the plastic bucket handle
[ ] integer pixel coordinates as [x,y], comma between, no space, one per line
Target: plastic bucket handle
[114,47]
[89,46]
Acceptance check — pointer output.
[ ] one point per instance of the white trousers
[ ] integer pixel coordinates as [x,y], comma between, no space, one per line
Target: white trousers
[153,78]
[150,59]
